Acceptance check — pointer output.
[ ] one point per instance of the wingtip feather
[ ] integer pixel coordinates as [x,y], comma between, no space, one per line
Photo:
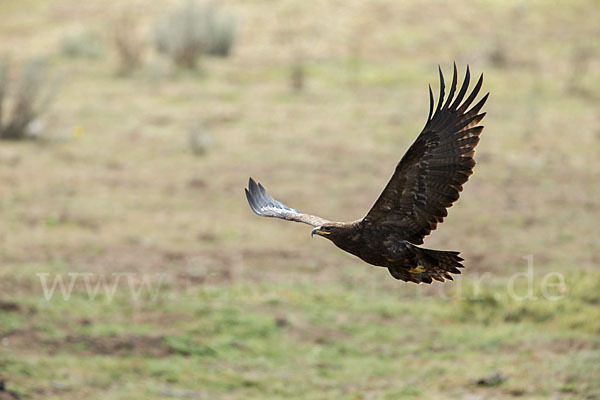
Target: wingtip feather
[442,88]
[252,202]
[431,103]
[452,88]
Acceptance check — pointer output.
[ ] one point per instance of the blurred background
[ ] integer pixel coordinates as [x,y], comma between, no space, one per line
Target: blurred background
[131,266]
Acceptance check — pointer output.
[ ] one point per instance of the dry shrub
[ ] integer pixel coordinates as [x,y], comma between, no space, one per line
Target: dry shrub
[82,45]
[27,97]
[128,42]
[199,138]
[193,30]
[297,73]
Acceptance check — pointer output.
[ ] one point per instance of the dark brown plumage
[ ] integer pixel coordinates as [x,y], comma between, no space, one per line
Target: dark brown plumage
[427,181]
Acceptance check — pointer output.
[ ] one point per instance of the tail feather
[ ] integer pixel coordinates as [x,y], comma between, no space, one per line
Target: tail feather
[428,265]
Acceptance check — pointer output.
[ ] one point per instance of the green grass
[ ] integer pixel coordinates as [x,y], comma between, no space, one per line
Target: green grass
[251,340]
[251,308]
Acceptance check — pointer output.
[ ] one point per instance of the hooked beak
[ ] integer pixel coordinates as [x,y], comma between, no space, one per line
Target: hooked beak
[319,232]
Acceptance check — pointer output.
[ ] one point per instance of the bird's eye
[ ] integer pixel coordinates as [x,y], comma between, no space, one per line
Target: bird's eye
[327,228]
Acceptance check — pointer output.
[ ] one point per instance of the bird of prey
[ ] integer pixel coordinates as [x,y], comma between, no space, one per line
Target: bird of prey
[427,180]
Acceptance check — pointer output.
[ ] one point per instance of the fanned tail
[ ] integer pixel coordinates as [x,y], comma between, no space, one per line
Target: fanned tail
[428,265]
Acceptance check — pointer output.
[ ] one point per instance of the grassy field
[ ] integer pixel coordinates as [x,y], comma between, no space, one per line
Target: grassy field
[212,302]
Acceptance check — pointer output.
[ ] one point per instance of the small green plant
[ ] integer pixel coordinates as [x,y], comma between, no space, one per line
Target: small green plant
[82,45]
[26,99]
[194,30]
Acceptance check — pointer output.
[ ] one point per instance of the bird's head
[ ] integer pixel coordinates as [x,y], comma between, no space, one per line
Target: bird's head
[330,230]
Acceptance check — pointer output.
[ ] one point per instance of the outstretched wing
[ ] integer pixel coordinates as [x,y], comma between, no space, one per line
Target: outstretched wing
[430,176]
[264,205]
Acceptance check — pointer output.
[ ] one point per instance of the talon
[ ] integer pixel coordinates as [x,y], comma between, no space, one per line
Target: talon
[419,269]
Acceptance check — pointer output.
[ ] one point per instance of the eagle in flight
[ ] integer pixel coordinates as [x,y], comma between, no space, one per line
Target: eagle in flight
[427,181]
